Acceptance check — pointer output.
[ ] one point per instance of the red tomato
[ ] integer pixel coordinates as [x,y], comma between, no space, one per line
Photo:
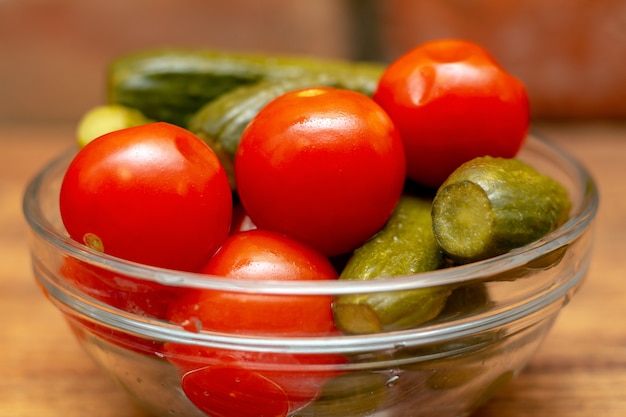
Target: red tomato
[225,382]
[260,255]
[324,166]
[235,391]
[154,194]
[452,102]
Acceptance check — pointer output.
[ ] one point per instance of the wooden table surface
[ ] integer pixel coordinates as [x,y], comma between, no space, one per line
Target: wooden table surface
[580,370]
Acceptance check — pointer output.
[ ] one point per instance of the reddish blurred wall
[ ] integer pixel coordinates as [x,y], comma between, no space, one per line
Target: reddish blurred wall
[571,54]
[53,53]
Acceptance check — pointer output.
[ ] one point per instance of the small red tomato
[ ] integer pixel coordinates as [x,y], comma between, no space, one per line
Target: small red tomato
[324,166]
[154,194]
[224,382]
[260,255]
[234,391]
[452,102]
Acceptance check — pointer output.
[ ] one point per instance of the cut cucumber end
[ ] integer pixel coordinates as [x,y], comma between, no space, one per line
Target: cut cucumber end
[462,220]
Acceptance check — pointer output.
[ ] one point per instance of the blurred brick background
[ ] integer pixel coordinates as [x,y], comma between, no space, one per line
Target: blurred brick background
[53,53]
[571,54]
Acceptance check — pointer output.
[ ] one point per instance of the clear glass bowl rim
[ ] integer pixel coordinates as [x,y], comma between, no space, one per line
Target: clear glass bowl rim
[584,213]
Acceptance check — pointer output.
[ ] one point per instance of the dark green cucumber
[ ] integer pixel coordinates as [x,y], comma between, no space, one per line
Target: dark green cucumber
[406,245]
[489,206]
[171,85]
[466,300]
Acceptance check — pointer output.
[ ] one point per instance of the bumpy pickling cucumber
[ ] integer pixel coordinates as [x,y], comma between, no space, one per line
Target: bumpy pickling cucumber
[406,245]
[171,85]
[354,394]
[489,206]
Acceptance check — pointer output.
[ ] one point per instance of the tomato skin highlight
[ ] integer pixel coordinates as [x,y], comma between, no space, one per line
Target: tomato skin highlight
[324,166]
[451,102]
[154,194]
[276,383]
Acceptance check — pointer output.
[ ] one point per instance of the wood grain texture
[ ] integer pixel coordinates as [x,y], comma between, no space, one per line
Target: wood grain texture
[580,370]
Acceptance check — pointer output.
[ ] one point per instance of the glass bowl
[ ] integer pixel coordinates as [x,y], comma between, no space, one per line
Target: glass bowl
[496,316]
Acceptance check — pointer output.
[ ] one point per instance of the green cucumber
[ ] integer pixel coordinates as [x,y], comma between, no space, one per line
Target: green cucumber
[354,394]
[466,300]
[405,246]
[489,206]
[172,84]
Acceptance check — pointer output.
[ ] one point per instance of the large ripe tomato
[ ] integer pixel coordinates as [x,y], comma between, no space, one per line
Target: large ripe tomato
[452,102]
[224,382]
[324,166]
[154,194]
